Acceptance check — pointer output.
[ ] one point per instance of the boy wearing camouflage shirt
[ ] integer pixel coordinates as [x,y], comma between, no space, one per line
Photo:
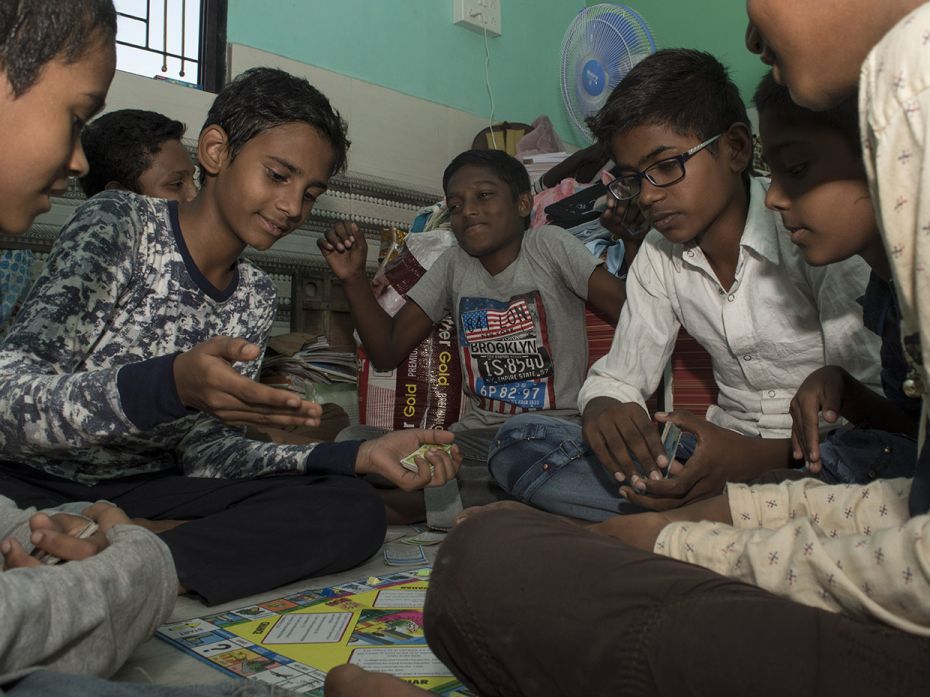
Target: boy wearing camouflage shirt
[96,374]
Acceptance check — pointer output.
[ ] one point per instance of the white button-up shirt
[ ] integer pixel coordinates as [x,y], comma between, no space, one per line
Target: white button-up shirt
[781,320]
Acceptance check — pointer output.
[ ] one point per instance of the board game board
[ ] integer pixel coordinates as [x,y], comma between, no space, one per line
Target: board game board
[293,641]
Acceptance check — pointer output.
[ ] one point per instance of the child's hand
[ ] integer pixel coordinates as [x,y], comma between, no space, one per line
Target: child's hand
[382,456]
[345,250]
[615,429]
[56,534]
[625,220]
[206,381]
[822,392]
[715,461]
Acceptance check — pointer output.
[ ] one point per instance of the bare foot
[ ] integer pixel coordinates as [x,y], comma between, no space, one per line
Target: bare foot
[157,526]
[352,681]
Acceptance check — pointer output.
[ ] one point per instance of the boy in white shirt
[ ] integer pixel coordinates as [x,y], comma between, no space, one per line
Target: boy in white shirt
[717,263]
[686,629]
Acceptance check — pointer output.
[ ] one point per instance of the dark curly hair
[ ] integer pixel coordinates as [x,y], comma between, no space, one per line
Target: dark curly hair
[262,98]
[120,146]
[772,98]
[33,32]
[687,91]
[505,166]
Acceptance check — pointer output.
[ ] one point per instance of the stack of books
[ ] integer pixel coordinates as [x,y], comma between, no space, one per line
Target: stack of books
[300,362]
[537,165]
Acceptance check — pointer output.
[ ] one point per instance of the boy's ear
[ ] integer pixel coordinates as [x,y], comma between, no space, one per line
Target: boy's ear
[115,185]
[525,203]
[213,149]
[738,147]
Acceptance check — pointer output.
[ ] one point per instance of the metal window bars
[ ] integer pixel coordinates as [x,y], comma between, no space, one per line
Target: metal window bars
[179,26]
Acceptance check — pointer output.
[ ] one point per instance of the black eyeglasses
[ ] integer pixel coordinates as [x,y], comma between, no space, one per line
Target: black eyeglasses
[662,173]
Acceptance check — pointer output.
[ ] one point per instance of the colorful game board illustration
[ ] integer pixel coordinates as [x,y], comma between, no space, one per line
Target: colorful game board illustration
[293,641]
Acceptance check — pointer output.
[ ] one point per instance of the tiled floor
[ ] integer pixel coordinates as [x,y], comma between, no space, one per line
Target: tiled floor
[158,662]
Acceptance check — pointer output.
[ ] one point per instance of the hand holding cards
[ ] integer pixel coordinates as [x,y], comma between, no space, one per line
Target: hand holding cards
[671,436]
[395,457]
[410,462]
[82,534]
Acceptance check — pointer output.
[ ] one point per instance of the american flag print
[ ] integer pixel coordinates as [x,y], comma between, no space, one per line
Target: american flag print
[507,362]
[487,323]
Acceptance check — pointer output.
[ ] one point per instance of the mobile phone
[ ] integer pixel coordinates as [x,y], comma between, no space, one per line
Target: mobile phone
[671,436]
[578,208]
[89,529]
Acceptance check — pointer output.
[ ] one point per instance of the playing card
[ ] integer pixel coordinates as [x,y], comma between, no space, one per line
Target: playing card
[410,463]
[397,554]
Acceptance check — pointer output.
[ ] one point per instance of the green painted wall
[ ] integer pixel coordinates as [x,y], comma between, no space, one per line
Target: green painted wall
[413,47]
[716,26]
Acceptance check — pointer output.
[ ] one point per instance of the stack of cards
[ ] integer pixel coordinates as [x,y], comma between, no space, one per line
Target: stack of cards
[89,529]
[410,461]
[426,538]
[671,436]
[398,554]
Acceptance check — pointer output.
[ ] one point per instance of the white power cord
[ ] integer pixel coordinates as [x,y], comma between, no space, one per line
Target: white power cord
[487,75]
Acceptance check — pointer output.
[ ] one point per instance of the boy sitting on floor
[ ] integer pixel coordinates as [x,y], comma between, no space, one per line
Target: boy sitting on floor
[134,150]
[103,370]
[517,297]
[716,263]
[819,186]
[855,581]
[112,589]
[139,151]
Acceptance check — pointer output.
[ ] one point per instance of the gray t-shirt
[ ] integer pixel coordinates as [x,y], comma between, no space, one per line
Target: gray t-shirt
[521,333]
[87,616]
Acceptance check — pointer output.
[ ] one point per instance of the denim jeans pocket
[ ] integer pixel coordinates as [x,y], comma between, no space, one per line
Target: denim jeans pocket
[527,453]
[862,455]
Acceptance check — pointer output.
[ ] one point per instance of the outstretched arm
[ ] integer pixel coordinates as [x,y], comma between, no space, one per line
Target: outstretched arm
[387,340]
[843,548]
[606,293]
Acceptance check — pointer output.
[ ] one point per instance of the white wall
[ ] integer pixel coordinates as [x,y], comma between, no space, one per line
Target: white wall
[395,137]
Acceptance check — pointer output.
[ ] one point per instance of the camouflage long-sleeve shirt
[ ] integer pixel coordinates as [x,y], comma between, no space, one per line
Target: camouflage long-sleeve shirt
[86,381]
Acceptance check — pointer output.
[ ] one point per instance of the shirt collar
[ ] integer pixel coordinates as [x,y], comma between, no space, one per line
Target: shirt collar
[762,225]
[760,233]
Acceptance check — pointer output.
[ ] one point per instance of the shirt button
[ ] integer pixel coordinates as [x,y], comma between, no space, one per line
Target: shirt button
[771,392]
[912,387]
[690,253]
[747,357]
[545,466]
[731,297]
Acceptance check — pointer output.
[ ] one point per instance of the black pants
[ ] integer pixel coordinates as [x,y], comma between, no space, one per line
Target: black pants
[521,603]
[244,536]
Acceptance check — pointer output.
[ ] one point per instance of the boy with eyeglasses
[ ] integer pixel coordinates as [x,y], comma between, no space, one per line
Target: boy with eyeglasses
[716,263]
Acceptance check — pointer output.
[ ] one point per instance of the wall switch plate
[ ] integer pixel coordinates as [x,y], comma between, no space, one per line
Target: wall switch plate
[478,15]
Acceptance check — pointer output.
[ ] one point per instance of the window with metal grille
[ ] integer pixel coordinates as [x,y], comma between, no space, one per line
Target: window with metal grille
[179,40]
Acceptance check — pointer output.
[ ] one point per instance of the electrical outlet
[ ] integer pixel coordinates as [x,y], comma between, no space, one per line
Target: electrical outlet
[478,15]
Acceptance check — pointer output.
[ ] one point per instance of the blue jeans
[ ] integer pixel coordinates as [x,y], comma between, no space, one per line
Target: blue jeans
[861,455]
[544,462]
